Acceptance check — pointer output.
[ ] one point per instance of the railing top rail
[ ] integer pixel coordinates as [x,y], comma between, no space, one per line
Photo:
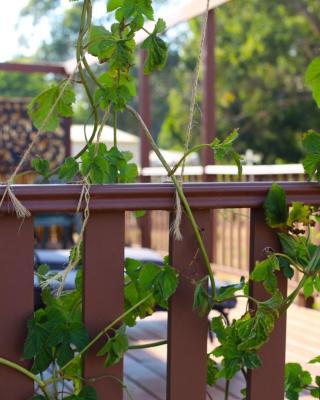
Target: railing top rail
[49,198]
[272,169]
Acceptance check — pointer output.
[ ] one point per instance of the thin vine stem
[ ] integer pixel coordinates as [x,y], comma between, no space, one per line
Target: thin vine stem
[105,330]
[291,298]
[27,373]
[182,196]
[115,127]
[148,345]
[226,390]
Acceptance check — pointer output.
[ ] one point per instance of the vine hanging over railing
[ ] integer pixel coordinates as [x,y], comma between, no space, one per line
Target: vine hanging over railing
[57,337]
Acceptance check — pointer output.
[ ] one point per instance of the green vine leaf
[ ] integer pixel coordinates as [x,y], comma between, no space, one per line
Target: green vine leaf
[114,4]
[88,393]
[41,106]
[131,8]
[276,207]
[212,372]
[312,79]
[308,287]
[226,292]
[264,272]
[311,162]
[69,169]
[41,166]
[115,347]
[225,148]
[157,49]
[299,213]
[296,379]
[201,298]
[315,360]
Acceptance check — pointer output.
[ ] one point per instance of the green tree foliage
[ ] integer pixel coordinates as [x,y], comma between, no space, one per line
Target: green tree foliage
[15,84]
[263,47]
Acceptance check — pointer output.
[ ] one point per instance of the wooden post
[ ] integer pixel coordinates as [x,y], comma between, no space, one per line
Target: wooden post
[16,302]
[145,112]
[187,332]
[272,354]
[208,107]
[103,298]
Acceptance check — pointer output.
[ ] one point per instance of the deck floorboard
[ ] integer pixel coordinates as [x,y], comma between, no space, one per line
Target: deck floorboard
[145,370]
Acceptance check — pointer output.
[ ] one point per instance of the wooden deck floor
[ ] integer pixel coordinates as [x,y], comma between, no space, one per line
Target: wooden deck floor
[145,370]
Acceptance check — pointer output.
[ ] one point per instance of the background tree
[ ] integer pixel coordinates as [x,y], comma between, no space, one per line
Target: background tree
[263,47]
[262,51]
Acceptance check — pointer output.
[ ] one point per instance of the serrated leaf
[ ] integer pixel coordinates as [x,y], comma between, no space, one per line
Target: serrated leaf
[295,380]
[217,326]
[88,393]
[43,104]
[139,213]
[285,267]
[102,43]
[68,169]
[148,275]
[201,299]
[288,244]
[276,207]
[167,283]
[315,360]
[114,4]
[37,335]
[137,7]
[308,287]
[43,269]
[64,353]
[212,372]
[311,163]
[115,347]
[226,292]
[41,166]
[161,26]
[299,213]
[78,335]
[315,393]
[157,53]
[264,272]
[251,360]
[312,79]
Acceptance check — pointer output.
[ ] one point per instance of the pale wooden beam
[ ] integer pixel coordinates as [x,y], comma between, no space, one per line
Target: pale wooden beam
[177,15]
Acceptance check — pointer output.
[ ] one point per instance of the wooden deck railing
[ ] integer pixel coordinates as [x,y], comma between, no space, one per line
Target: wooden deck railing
[103,278]
[231,226]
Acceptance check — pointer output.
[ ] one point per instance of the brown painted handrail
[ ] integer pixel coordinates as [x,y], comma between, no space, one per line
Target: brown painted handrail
[157,196]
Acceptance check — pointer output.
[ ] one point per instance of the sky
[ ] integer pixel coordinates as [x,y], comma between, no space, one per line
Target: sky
[11,29]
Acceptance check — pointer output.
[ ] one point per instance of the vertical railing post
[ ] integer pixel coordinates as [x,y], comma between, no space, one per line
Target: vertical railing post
[145,112]
[267,382]
[16,301]
[209,103]
[103,293]
[209,107]
[187,332]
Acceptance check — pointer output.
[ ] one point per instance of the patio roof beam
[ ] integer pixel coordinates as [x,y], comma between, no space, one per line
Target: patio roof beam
[33,68]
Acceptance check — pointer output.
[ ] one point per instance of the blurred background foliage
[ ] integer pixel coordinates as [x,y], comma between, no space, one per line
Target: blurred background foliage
[262,52]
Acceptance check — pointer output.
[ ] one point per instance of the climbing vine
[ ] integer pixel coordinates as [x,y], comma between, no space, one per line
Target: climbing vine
[57,338]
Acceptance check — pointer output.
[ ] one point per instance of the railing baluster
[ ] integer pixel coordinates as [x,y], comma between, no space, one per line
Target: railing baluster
[267,382]
[103,293]
[187,332]
[16,301]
